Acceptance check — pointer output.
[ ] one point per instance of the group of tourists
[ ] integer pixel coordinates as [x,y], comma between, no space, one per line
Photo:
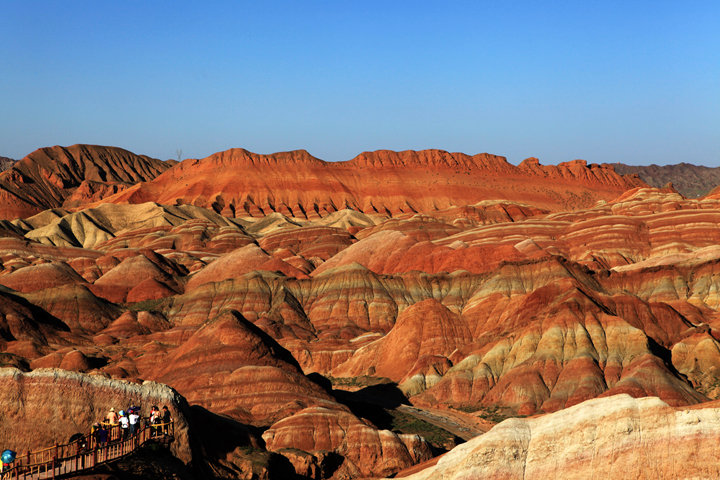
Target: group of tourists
[116,426]
[123,424]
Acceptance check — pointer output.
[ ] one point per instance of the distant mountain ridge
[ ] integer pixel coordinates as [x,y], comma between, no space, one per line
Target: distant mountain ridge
[6,163]
[239,183]
[692,181]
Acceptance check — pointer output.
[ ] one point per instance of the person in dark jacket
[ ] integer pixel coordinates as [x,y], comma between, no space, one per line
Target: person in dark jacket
[166,419]
[101,436]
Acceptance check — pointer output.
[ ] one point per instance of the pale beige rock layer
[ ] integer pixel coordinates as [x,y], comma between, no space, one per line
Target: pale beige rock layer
[617,437]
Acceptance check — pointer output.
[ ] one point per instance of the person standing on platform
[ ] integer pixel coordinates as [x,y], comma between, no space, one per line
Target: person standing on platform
[124,424]
[133,419]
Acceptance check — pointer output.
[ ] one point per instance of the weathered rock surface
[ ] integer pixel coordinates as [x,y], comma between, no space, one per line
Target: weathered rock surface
[367,451]
[124,278]
[76,306]
[241,183]
[26,330]
[239,262]
[98,227]
[230,366]
[48,177]
[6,163]
[426,332]
[615,437]
[47,406]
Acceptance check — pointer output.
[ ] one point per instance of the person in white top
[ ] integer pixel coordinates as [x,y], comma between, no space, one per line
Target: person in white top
[124,424]
[133,419]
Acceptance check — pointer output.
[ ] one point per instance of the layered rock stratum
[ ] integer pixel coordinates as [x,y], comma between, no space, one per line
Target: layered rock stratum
[296,305]
[66,176]
[241,183]
[47,406]
[614,437]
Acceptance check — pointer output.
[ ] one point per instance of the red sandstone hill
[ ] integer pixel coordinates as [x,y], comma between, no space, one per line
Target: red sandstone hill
[67,176]
[240,183]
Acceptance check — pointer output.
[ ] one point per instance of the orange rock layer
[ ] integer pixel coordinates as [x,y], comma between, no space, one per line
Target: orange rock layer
[56,176]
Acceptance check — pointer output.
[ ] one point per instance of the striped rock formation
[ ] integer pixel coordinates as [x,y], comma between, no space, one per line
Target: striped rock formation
[614,437]
[57,176]
[50,405]
[239,183]
[366,450]
[506,305]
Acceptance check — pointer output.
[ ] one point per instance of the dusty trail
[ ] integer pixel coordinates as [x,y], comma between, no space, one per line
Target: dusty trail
[461,425]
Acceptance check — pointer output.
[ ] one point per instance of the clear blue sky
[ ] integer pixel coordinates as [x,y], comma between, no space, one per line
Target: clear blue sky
[635,82]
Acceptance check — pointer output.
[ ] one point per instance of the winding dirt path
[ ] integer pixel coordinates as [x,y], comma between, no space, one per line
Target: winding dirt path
[462,425]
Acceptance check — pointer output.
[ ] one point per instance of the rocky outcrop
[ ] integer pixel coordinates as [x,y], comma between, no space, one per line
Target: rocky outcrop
[48,405]
[99,226]
[49,177]
[615,437]
[366,450]
[425,333]
[26,330]
[76,306]
[124,282]
[41,276]
[239,262]
[230,366]
[496,308]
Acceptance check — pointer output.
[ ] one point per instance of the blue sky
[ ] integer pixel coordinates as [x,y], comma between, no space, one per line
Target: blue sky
[635,82]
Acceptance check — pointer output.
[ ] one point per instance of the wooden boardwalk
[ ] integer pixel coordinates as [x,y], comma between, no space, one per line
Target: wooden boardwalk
[62,461]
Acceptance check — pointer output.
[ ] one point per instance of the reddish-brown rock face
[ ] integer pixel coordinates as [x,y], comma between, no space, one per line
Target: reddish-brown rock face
[424,333]
[240,183]
[50,177]
[48,406]
[41,276]
[367,451]
[232,367]
[26,330]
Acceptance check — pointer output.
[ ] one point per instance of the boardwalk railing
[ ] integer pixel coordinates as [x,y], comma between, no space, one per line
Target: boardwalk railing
[60,461]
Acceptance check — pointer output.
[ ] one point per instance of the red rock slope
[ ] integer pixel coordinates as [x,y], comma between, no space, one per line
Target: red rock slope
[68,176]
[241,183]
